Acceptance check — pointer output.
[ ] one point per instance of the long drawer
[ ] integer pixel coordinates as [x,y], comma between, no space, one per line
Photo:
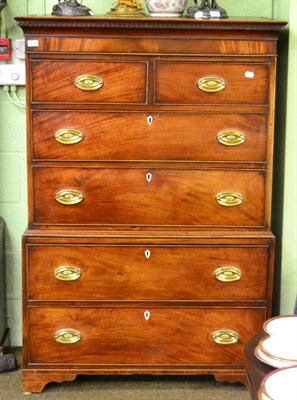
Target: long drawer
[141,336]
[88,195]
[89,81]
[139,273]
[211,83]
[148,136]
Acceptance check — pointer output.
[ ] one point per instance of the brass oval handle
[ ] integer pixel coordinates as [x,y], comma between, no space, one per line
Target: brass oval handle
[211,84]
[229,199]
[88,82]
[69,197]
[67,273]
[231,138]
[228,274]
[67,336]
[68,136]
[225,337]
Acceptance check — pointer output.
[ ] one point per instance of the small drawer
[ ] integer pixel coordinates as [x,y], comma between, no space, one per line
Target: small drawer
[111,196]
[108,273]
[89,82]
[165,136]
[141,336]
[211,83]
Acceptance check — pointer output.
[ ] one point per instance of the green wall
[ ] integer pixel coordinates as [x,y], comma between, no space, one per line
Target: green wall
[288,257]
[13,201]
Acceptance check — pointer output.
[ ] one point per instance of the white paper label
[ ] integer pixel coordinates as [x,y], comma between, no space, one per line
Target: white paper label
[215,13]
[33,43]
[249,74]
[198,14]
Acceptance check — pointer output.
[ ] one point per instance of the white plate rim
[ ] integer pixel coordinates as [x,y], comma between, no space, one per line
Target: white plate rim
[271,355]
[278,318]
[274,363]
[262,389]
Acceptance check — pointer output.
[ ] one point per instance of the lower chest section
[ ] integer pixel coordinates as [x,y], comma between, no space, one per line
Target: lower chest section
[147,302]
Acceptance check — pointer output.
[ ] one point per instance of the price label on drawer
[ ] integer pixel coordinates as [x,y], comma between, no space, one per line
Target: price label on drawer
[249,74]
[33,43]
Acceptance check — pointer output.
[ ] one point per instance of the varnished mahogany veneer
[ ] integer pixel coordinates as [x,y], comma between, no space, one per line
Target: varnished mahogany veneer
[126,280]
[126,273]
[140,141]
[169,89]
[173,197]
[172,336]
[123,82]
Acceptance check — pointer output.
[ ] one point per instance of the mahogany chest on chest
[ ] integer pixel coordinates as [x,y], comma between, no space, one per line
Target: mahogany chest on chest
[150,147]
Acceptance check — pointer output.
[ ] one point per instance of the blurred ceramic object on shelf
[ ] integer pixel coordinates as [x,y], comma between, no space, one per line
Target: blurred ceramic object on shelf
[71,8]
[166,8]
[127,8]
[206,9]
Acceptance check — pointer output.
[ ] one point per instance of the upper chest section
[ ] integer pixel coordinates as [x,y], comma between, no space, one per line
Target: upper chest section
[149,61]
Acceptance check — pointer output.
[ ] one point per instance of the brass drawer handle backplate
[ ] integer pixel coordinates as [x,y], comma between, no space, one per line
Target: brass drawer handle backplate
[225,337]
[231,138]
[67,336]
[88,82]
[211,84]
[227,274]
[69,197]
[229,199]
[67,273]
[68,136]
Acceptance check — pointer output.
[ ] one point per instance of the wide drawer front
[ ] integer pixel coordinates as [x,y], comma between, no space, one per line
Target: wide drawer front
[141,336]
[211,83]
[94,82]
[76,195]
[137,273]
[149,136]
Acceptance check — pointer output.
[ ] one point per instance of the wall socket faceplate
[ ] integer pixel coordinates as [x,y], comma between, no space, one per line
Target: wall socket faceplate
[12,74]
[19,48]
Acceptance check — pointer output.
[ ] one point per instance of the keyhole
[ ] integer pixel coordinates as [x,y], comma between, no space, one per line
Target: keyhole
[149,176]
[150,120]
[147,254]
[147,315]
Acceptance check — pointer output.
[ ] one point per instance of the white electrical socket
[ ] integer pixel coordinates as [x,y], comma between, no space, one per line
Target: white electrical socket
[19,46]
[12,74]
